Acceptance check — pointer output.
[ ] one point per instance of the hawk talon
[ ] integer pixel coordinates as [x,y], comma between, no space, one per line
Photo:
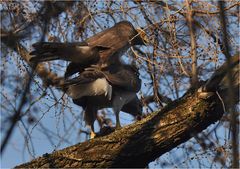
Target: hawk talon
[118,126]
[92,135]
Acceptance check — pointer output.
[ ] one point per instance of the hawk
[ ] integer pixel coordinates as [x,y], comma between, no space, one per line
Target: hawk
[114,87]
[103,49]
[110,83]
[91,105]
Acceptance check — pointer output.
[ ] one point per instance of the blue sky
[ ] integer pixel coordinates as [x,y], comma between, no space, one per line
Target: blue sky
[63,123]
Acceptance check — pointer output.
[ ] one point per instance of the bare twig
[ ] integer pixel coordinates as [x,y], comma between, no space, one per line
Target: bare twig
[17,114]
[194,76]
[233,113]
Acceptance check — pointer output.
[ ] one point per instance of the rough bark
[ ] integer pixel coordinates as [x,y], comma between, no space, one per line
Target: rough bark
[138,144]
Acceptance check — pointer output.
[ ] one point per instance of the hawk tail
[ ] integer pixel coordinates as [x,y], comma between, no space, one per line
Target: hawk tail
[46,51]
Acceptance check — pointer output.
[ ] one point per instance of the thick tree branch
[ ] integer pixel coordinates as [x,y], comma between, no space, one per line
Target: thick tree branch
[138,144]
[142,142]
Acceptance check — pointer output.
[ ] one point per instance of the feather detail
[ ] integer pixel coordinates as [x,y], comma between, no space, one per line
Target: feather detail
[95,88]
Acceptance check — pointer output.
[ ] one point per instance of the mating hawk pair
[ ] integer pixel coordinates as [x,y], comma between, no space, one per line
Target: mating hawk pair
[103,81]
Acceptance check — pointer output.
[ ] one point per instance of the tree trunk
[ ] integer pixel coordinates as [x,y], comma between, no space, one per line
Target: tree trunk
[142,142]
[138,144]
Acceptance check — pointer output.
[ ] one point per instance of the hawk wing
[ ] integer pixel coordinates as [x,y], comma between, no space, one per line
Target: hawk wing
[109,45]
[134,107]
[47,51]
[124,77]
[84,78]
[76,52]
[115,38]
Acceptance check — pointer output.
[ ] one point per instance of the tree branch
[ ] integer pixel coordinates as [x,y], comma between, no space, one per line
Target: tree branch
[230,82]
[138,144]
[193,53]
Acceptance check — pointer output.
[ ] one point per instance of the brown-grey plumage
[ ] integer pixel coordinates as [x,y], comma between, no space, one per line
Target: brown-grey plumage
[118,39]
[104,48]
[118,75]
[114,84]
[90,91]
[80,53]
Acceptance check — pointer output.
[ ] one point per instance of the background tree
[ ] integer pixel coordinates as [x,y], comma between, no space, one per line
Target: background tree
[189,40]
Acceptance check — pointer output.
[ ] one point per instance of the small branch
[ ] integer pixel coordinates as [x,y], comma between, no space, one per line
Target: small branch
[17,115]
[138,144]
[218,80]
[234,122]
[48,78]
[150,99]
[142,142]
[215,12]
[193,53]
